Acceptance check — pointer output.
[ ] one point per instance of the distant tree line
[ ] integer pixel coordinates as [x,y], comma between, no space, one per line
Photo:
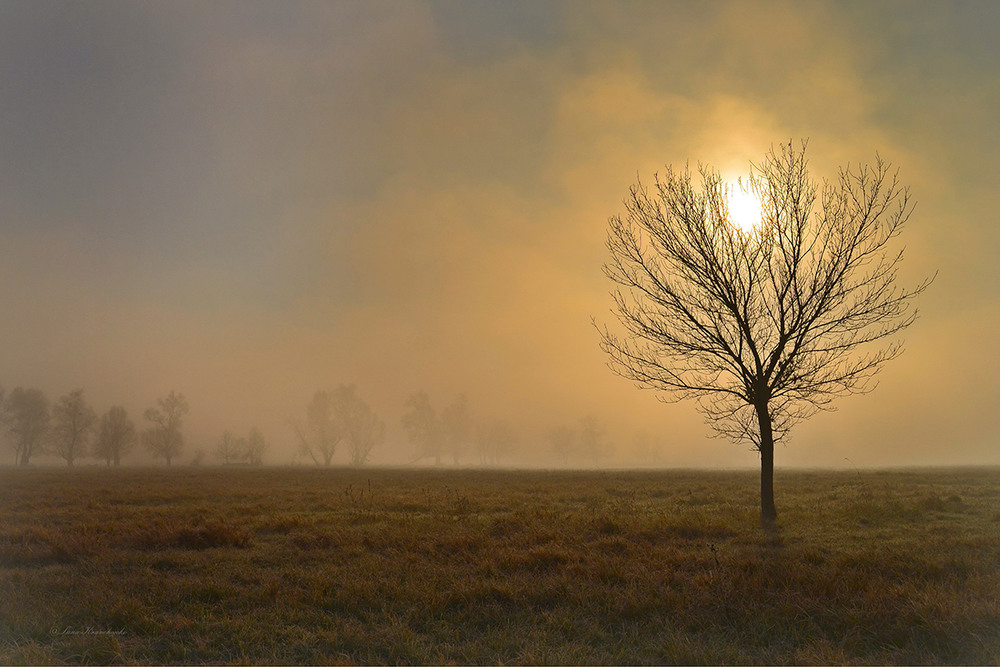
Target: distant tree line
[583,443]
[452,432]
[72,430]
[335,420]
[249,450]
[339,416]
[436,435]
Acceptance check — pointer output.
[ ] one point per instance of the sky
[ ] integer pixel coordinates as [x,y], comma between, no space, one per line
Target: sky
[249,201]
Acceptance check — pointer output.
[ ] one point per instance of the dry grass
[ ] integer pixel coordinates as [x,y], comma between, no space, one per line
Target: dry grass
[398,566]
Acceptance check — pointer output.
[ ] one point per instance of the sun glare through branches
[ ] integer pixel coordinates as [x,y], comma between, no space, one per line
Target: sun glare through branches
[744,206]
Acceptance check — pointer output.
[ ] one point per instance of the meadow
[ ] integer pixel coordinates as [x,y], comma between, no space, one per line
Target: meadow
[391,566]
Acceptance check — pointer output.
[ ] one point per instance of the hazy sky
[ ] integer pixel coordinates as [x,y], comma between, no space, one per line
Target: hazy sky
[247,201]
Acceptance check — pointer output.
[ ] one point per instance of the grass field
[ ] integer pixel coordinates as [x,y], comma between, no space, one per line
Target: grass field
[416,566]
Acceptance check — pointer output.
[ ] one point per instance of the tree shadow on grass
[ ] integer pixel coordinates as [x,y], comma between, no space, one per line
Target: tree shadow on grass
[772,540]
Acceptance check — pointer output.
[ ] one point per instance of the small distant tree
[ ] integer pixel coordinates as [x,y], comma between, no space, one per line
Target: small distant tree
[323,429]
[164,438]
[228,449]
[763,325]
[494,440]
[28,419]
[365,431]
[72,425]
[242,451]
[456,427]
[256,445]
[422,427]
[563,440]
[115,435]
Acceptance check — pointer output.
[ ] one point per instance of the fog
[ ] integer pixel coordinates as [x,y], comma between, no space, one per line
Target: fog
[247,202]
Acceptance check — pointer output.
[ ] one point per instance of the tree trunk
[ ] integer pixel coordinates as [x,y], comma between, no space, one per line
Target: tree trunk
[768,513]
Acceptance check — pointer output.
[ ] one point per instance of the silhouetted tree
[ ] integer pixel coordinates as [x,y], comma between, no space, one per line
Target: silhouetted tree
[762,326]
[73,424]
[115,435]
[229,449]
[324,427]
[422,427]
[456,427]
[164,438]
[28,420]
[256,445]
[563,440]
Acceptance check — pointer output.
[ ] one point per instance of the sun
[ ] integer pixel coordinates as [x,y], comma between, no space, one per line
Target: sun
[744,207]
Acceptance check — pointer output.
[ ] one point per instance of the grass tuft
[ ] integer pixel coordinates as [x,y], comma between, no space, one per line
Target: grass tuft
[206,536]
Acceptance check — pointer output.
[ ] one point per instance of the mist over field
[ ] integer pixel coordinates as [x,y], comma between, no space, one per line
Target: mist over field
[247,202]
[344,332]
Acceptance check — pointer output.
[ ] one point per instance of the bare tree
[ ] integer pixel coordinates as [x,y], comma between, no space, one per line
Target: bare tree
[365,431]
[28,420]
[229,449]
[256,445]
[73,425]
[164,438]
[423,427]
[323,429]
[456,427]
[494,440]
[763,326]
[115,435]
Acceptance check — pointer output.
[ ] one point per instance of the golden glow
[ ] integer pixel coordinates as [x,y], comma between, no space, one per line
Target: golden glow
[744,207]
